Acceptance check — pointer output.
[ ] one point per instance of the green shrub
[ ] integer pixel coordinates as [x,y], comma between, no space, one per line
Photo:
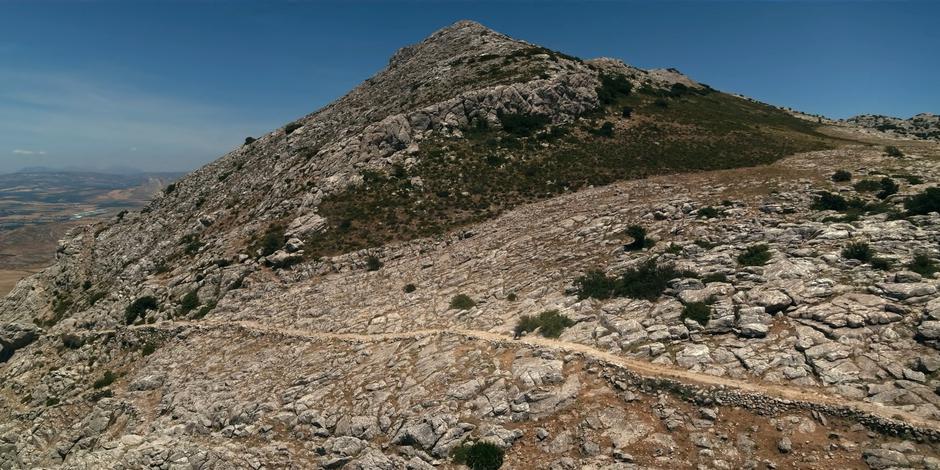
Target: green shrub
[479,456]
[169,188]
[923,265]
[148,349]
[373,263]
[612,88]
[659,102]
[841,176]
[550,324]
[911,179]
[107,379]
[249,140]
[888,188]
[270,241]
[595,285]
[522,125]
[626,112]
[867,186]
[755,255]
[638,234]
[700,312]
[409,288]
[882,264]
[924,203]
[94,297]
[893,151]
[462,302]
[52,401]
[674,249]
[189,302]
[290,128]
[859,251]
[512,297]
[826,201]
[648,281]
[138,308]
[191,244]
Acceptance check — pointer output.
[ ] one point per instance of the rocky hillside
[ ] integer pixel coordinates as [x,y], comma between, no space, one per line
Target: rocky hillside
[922,126]
[687,281]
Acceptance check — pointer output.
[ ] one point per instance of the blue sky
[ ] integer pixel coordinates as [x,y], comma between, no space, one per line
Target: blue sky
[167,85]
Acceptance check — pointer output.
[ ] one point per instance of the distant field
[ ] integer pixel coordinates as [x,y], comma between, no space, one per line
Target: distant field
[39,208]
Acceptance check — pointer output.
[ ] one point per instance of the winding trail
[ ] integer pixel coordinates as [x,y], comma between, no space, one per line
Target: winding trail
[641,368]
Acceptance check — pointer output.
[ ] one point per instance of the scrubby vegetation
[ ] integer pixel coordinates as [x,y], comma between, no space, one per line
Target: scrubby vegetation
[290,128]
[270,241]
[138,308]
[888,188]
[841,176]
[700,312]
[867,186]
[923,265]
[883,264]
[494,168]
[373,263]
[479,456]
[638,234]
[715,277]
[189,302]
[409,288]
[549,323]
[826,201]
[613,88]
[647,281]
[462,302]
[893,151]
[858,251]
[107,379]
[755,255]
[924,203]
[708,212]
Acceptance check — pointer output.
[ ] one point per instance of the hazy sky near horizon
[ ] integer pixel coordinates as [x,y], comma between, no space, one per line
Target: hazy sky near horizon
[171,85]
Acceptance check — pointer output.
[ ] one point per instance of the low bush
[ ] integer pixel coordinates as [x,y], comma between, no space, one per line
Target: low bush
[606,130]
[479,456]
[189,302]
[888,188]
[924,203]
[512,297]
[94,297]
[708,212]
[138,308]
[893,151]
[841,176]
[373,263]
[612,88]
[270,241]
[550,324]
[148,349]
[409,288]
[638,234]
[867,186]
[462,302]
[923,265]
[700,312]
[883,264]
[290,128]
[858,251]
[522,125]
[249,140]
[626,112]
[191,244]
[715,277]
[826,201]
[107,379]
[911,179]
[755,255]
[647,281]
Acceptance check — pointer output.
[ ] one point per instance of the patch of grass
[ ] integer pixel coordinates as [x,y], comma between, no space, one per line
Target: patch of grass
[924,203]
[893,151]
[858,251]
[107,379]
[755,255]
[138,308]
[923,265]
[479,456]
[841,176]
[700,312]
[462,302]
[550,324]
[494,168]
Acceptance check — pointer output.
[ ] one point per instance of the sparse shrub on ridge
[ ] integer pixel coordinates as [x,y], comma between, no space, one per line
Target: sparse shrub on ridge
[638,234]
[107,379]
[888,188]
[867,186]
[189,302]
[700,312]
[923,265]
[826,201]
[270,241]
[409,288]
[138,308]
[373,263]
[522,125]
[647,281]
[893,151]
[924,203]
[882,264]
[290,128]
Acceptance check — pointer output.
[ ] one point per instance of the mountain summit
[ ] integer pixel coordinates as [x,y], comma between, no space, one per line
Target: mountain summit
[344,291]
